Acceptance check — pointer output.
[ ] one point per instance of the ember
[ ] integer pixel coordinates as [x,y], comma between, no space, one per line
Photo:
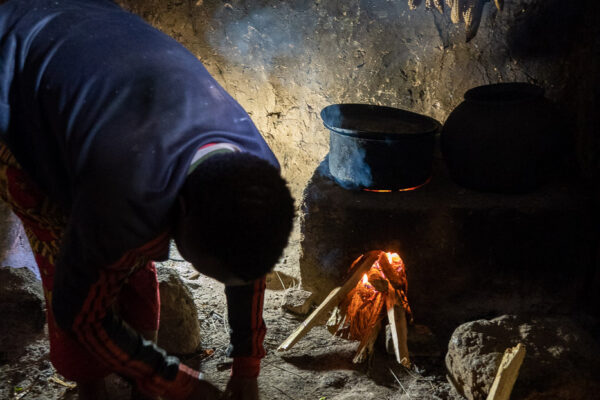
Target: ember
[358,306]
[399,190]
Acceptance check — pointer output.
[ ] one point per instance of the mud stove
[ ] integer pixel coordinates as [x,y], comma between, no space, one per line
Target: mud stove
[467,254]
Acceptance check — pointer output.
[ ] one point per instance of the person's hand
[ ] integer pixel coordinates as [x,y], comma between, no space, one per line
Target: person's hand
[204,390]
[241,389]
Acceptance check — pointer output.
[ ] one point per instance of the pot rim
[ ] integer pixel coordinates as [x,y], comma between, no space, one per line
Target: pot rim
[429,125]
[506,92]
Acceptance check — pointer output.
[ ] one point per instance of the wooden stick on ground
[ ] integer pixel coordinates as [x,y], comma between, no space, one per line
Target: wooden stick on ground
[507,373]
[333,299]
[397,320]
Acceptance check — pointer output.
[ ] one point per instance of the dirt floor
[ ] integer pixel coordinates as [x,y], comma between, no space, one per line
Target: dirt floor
[319,367]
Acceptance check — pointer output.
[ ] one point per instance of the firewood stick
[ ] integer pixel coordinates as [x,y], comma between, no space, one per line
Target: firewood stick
[365,348]
[377,281]
[397,320]
[336,319]
[394,277]
[507,373]
[334,298]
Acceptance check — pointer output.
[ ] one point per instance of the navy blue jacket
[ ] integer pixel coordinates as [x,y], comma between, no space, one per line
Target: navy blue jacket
[105,113]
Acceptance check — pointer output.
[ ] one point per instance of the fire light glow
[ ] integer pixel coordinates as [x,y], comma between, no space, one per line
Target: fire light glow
[393,258]
[398,190]
[365,279]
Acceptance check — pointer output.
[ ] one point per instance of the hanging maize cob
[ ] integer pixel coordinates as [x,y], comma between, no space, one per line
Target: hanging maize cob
[467,11]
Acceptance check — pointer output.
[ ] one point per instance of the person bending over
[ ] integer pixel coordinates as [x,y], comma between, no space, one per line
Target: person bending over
[114,139]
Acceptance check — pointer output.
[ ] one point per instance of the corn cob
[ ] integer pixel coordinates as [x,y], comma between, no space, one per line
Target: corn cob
[413,4]
[472,17]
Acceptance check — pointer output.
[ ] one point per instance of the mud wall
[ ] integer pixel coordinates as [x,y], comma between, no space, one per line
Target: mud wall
[285,60]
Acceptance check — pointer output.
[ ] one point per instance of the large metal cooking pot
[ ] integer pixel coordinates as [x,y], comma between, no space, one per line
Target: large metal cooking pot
[379,148]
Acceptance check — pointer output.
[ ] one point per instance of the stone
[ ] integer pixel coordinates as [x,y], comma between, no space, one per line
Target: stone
[179,330]
[559,352]
[14,245]
[22,310]
[297,301]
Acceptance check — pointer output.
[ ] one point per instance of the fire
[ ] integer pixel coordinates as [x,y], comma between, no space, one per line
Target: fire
[375,278]
[359,315]
[393,258]
[399,190]
[358,306]
[362,307]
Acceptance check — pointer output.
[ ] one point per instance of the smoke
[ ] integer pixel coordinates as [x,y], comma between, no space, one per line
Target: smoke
[265,36]
[348,165]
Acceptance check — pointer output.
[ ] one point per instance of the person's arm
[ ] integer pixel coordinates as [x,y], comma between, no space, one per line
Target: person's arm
[247,327]
[82,302]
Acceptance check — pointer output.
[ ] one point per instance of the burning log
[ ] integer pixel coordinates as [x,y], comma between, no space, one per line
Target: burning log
[365,348]
[396,275]
[364,312]
[378,281]
[397,320]
[353,318]
[360,267]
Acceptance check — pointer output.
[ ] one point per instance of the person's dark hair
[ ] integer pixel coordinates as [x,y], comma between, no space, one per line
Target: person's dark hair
[238,210]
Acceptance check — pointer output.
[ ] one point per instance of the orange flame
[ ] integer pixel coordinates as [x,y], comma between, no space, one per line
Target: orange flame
[399,190]
[361,309]
[393,258]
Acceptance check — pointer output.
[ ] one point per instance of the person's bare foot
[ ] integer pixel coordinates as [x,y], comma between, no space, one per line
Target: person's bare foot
[95,390]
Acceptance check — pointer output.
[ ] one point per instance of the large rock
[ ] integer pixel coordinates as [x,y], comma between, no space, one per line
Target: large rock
[297,301]
[558,353]
[179,331]
[22,309]
[14,246]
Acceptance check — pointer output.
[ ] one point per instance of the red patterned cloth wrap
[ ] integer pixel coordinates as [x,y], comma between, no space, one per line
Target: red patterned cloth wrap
[44,222]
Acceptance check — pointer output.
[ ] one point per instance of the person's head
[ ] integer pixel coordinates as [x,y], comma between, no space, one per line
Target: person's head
[235,216]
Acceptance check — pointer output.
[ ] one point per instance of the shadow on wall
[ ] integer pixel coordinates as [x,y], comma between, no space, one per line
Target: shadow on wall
[566,34]
[545,29]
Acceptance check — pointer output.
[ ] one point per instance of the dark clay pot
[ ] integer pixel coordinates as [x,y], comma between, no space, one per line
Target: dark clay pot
[502,138]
